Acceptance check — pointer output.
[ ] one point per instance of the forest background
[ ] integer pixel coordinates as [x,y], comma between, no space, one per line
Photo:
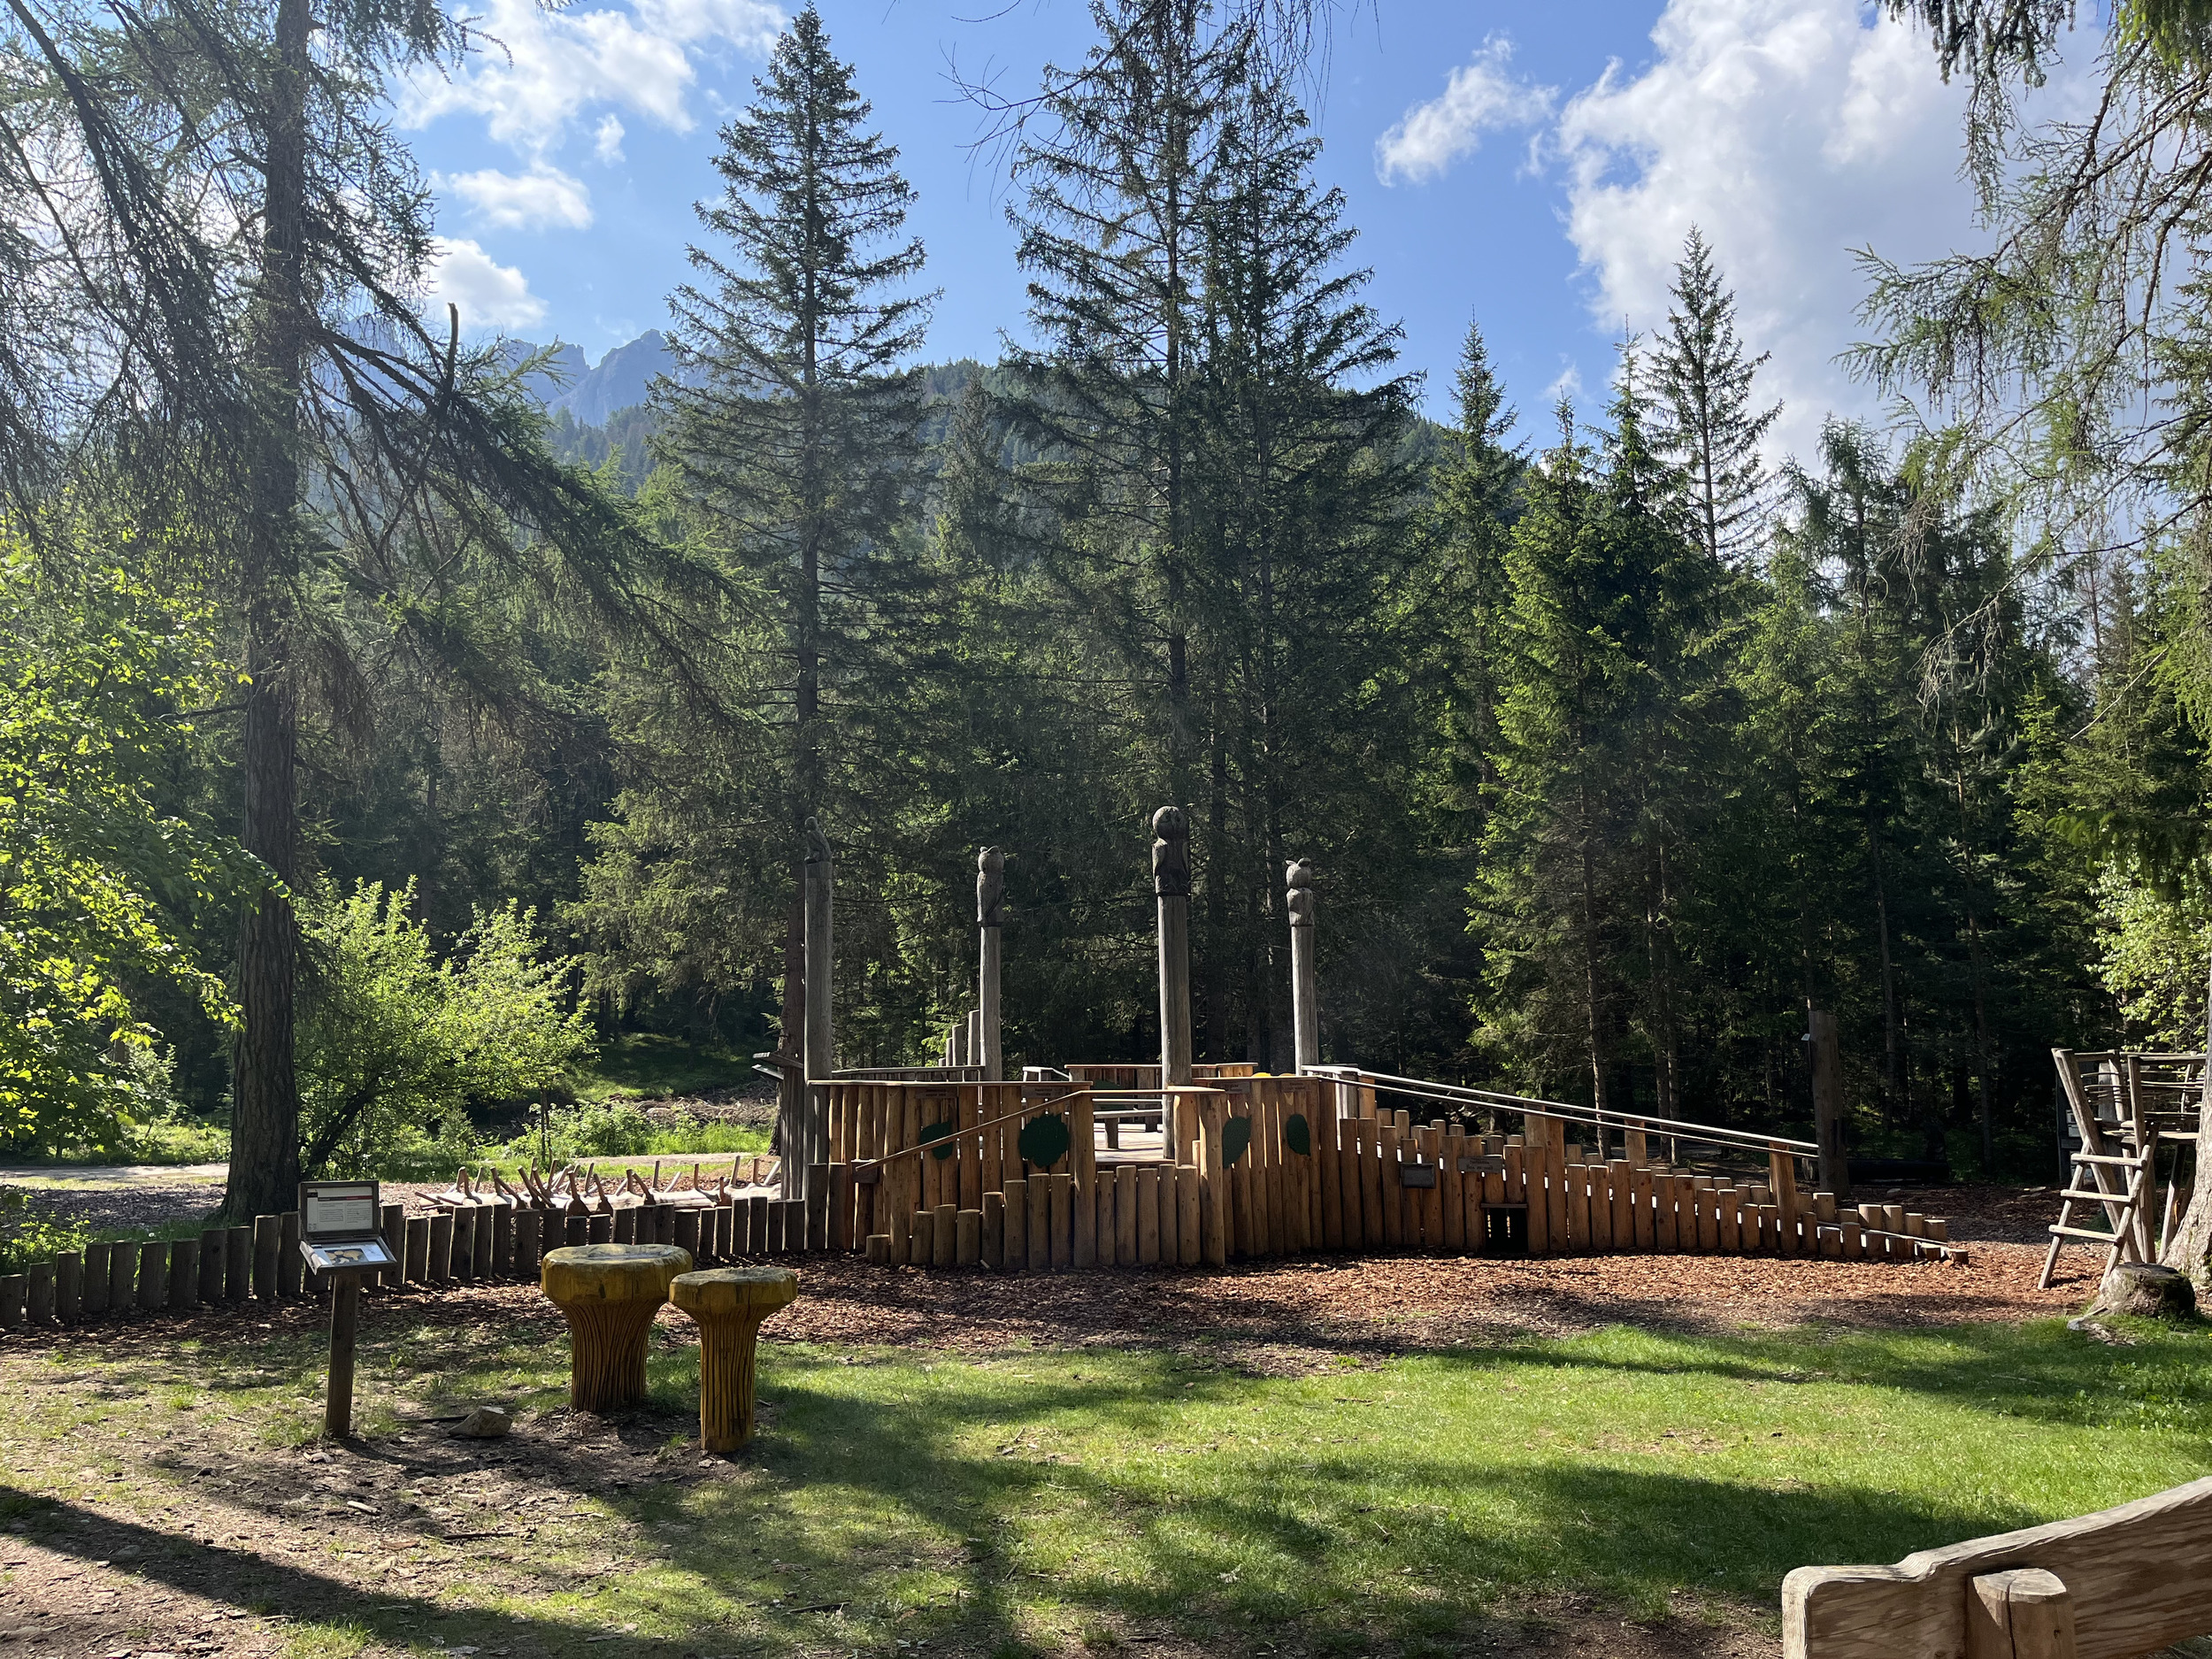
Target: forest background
[375,747]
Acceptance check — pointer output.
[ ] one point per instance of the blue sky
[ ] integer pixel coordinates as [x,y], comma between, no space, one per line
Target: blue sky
[1532,167]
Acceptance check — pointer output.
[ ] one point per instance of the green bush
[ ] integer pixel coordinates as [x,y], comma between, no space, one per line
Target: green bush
[395,1045]
[27,1236]
[610,1129]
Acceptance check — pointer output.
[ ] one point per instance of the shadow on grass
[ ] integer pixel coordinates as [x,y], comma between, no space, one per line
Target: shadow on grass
[996,1511]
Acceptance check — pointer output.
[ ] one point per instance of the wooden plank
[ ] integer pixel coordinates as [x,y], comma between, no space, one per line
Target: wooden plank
[1016,1256]
[1620,1176]
[1556,1180]
[1726,1237]
[1148,1208]
[1190,1244]
[1708,1215]
[1062,1219]
[1391,1194]
[2134,1576]
[1039,1235]
[1125,1201]
[943,1240]
[1216,1216]
[1105,1200]
[1328,1143]
[1429,1201]
[992,1238]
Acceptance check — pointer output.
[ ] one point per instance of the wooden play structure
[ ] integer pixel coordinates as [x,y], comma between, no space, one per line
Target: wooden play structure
[2117,1585]
[1026,1176]
[2133,1115]
[1184,1163]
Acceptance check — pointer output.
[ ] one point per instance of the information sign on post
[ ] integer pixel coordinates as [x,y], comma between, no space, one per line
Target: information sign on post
[339,1236]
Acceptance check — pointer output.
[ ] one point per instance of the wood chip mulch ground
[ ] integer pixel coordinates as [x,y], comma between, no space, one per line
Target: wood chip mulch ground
[1292,1315]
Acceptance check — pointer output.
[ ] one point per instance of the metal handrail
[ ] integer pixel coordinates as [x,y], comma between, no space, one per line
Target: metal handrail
[1451,1093]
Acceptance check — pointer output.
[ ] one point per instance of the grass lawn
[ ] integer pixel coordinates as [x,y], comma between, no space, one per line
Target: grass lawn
[1052,1500]
[645,1065]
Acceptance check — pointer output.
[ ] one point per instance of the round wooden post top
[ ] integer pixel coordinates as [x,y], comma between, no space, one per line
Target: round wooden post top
[611,1272]
[718,1292]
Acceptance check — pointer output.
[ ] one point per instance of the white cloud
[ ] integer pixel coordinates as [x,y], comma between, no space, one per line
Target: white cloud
[607,142]
[1481,96]
[1567,384]
[540,197]
[549,65]
[488,294]
[1791,132]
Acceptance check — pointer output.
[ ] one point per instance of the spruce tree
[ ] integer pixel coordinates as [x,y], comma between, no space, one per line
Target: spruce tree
[795,432]
[1707,427]
[1468,524]
[1113,234]
[1294,502]
[1557,860]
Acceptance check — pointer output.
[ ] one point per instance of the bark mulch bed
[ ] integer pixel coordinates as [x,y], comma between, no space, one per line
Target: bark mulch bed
[1287,1316]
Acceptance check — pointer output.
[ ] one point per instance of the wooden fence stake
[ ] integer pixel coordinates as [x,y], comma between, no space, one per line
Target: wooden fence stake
[268,1232]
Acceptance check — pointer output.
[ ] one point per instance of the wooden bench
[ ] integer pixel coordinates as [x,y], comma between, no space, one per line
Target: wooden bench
[2116,1585]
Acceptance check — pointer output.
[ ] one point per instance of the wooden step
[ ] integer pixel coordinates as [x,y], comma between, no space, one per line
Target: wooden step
[2125,1160]
[2093,1197]
[2058,1231]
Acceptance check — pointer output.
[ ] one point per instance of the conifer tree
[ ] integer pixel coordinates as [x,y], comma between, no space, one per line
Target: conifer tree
[1112,234]
[1469,523]
[1709,428]
[795,437]
[1555,862]
[1294,413]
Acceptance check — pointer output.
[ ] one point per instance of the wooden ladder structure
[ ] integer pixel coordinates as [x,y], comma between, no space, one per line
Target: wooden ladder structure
[2125,1106]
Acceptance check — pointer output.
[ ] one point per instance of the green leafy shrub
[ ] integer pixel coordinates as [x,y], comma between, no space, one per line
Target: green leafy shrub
[27,1236]
[99,885]
[396,1045]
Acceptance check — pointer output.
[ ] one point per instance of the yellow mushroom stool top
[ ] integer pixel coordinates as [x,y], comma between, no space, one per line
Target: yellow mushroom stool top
[611,1272]
[719,1293]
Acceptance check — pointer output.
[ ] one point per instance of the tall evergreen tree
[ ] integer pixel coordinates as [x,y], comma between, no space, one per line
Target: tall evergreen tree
[796,436]
[1296,497]
[1548,899]
[1709,428]
[1113,234]
[1469,521]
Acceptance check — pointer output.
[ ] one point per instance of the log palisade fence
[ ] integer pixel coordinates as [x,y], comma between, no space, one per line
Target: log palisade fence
[1014,1176]
[950,1175]
[490,1240]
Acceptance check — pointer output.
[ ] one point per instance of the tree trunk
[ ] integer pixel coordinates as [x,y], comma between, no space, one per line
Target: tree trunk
[264,1161]
[2190,1248]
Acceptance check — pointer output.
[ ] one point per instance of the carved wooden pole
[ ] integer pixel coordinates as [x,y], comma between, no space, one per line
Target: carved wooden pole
[811,1145]
[1305,1011]
[990,890]
[1170,884]
[1835,1167]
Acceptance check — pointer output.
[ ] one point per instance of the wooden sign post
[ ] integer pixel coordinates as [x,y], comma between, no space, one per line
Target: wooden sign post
[1171,885]
[341,1238]
[990,892]
[1305,1014]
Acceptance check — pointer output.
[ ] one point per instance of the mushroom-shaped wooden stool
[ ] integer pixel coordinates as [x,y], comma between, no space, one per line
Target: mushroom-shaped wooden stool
[609,1294]
[729,1303]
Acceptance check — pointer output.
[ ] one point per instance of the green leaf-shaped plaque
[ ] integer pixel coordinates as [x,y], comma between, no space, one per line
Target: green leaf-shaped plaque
[938,1132]
[1045,1140]
[1236,1135]
[1296,1135]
